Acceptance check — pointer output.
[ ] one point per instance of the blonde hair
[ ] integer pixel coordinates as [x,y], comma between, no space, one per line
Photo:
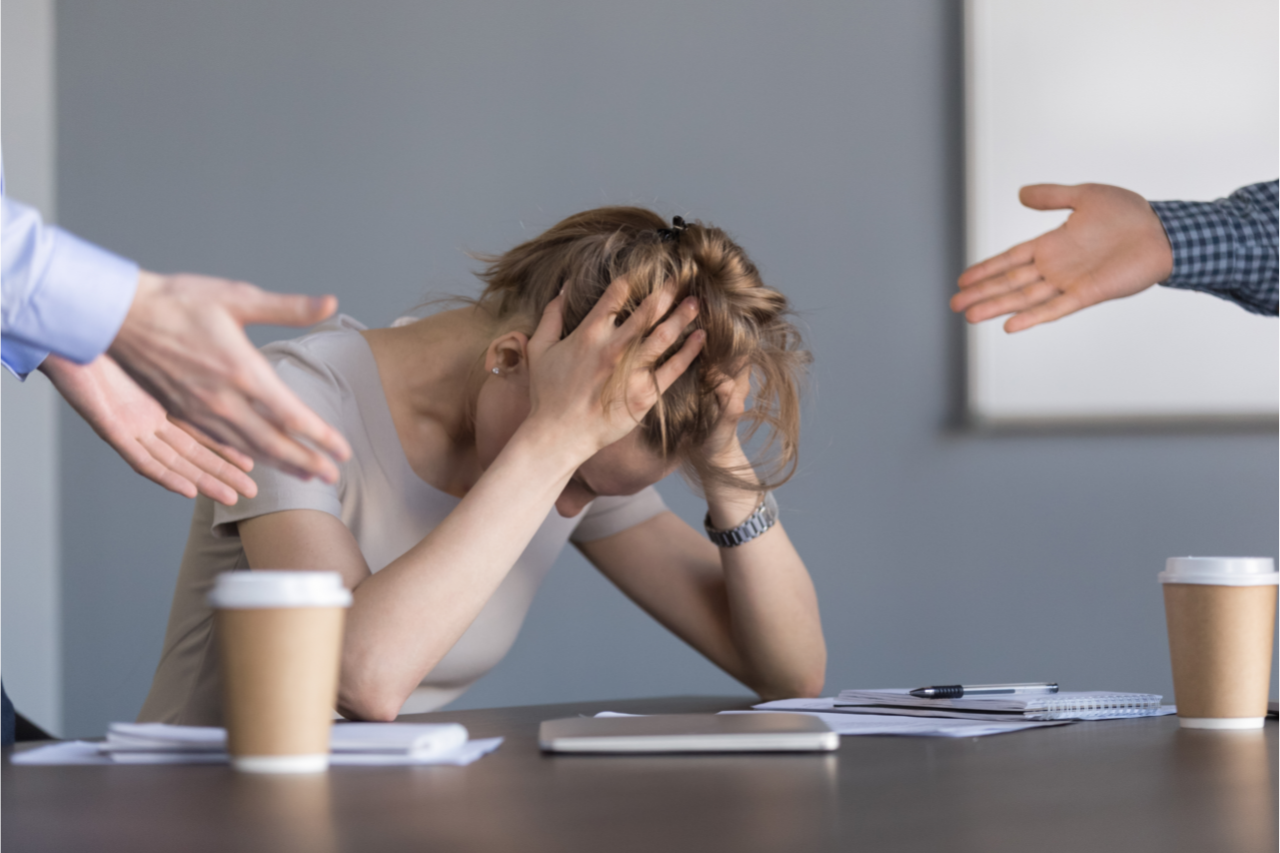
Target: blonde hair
[746,323]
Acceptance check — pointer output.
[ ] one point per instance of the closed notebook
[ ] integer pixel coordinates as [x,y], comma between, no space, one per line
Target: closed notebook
[414,740]
[688,733]
[1050,706]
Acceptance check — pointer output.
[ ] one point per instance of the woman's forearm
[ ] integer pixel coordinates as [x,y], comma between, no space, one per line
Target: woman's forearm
[773,608]
[774,619]
[407,616]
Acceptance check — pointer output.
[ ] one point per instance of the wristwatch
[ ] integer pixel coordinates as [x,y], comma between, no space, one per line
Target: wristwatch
[764,517]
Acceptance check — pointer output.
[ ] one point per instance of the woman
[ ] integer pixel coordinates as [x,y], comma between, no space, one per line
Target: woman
[601,356]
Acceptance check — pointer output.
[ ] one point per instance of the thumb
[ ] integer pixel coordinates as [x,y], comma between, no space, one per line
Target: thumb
[1049,196]
[279,309]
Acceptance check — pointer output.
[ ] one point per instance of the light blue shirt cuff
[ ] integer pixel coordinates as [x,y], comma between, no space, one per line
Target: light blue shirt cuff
[20,359]
[78,305]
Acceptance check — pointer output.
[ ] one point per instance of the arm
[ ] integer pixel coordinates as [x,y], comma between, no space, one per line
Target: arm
[751,610]
[1114,244]
[1227,247]
[179,337]
[133,423]
[408,615]
[60,293]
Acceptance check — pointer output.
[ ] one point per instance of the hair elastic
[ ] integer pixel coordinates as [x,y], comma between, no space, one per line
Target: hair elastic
[678,226]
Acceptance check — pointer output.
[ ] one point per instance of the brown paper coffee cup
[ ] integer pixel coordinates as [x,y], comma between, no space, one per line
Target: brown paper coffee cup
[280,643]
[1220,641]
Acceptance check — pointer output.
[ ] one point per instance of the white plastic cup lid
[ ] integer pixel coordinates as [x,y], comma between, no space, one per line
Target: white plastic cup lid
[263,589]
[1221,571]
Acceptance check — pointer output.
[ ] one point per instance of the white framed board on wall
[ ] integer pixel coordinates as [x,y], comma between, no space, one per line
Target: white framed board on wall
[1173,99]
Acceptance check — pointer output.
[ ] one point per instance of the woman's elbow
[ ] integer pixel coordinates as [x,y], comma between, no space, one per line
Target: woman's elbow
[368,699]
[368,707]
[801,683]
[810,687]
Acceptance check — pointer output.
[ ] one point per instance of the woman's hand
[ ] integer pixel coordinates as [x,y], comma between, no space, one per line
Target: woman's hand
[730,506]
[166,451]
[731,394]
[573,381]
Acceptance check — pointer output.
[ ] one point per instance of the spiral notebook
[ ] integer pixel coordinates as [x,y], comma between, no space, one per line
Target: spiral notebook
[1053,706]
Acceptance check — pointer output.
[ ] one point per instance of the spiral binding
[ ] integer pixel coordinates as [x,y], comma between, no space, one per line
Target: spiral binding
[1086,707]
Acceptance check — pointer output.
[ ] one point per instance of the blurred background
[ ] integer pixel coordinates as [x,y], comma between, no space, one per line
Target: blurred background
[363,148]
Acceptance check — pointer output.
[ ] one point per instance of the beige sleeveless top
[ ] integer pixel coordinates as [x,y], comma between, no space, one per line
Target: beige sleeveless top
[388,510]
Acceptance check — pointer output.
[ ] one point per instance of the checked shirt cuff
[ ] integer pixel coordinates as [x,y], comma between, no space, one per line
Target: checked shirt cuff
[1226,247]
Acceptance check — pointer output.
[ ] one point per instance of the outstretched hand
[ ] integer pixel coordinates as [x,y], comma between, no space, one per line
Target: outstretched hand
[1111,246]
[183,341]
[135,425]
[573,380]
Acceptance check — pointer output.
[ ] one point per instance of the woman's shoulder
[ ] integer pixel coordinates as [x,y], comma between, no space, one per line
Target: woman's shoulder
[332,355]
[326,342]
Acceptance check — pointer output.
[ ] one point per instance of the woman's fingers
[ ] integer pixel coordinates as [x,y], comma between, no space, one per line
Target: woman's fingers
[550,326]
[610,304]
[732,392]
[647,313]
[669,330]
[674,367]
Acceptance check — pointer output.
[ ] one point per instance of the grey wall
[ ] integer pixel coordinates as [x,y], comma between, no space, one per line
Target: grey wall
[32,627]
[361,148]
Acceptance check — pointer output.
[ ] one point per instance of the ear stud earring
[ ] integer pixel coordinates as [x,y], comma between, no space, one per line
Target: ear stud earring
[495,370]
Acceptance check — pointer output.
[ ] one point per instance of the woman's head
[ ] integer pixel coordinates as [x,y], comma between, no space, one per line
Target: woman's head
[745,322]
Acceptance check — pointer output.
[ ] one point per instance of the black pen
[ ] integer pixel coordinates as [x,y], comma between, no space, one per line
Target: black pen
[955,691]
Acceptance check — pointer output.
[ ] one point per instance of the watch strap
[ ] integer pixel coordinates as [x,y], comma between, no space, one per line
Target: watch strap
[764,517]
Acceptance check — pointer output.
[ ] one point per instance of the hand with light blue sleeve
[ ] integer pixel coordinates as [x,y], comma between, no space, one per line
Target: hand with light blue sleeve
[129,346]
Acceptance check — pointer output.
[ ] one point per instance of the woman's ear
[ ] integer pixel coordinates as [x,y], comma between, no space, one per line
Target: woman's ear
[508,355]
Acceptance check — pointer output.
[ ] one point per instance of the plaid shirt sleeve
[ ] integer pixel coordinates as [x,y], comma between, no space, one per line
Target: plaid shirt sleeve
[1227,247]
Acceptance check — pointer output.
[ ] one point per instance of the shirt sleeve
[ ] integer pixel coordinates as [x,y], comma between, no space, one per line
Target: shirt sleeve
[60,293]
[610,515]
[317,387]
[1227,247]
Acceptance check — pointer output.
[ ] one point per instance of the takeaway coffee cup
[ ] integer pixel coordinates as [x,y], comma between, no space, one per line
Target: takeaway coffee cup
[279,638]
[1221,614]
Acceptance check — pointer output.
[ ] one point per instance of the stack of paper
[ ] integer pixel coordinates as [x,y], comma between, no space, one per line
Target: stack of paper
[351,743]
[849,721]
[1009,708]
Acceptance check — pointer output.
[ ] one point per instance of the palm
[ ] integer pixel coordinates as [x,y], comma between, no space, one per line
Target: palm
[168,452]
[1111,246]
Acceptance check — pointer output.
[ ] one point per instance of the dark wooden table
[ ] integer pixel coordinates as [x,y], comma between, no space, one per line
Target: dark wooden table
[1128,786]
